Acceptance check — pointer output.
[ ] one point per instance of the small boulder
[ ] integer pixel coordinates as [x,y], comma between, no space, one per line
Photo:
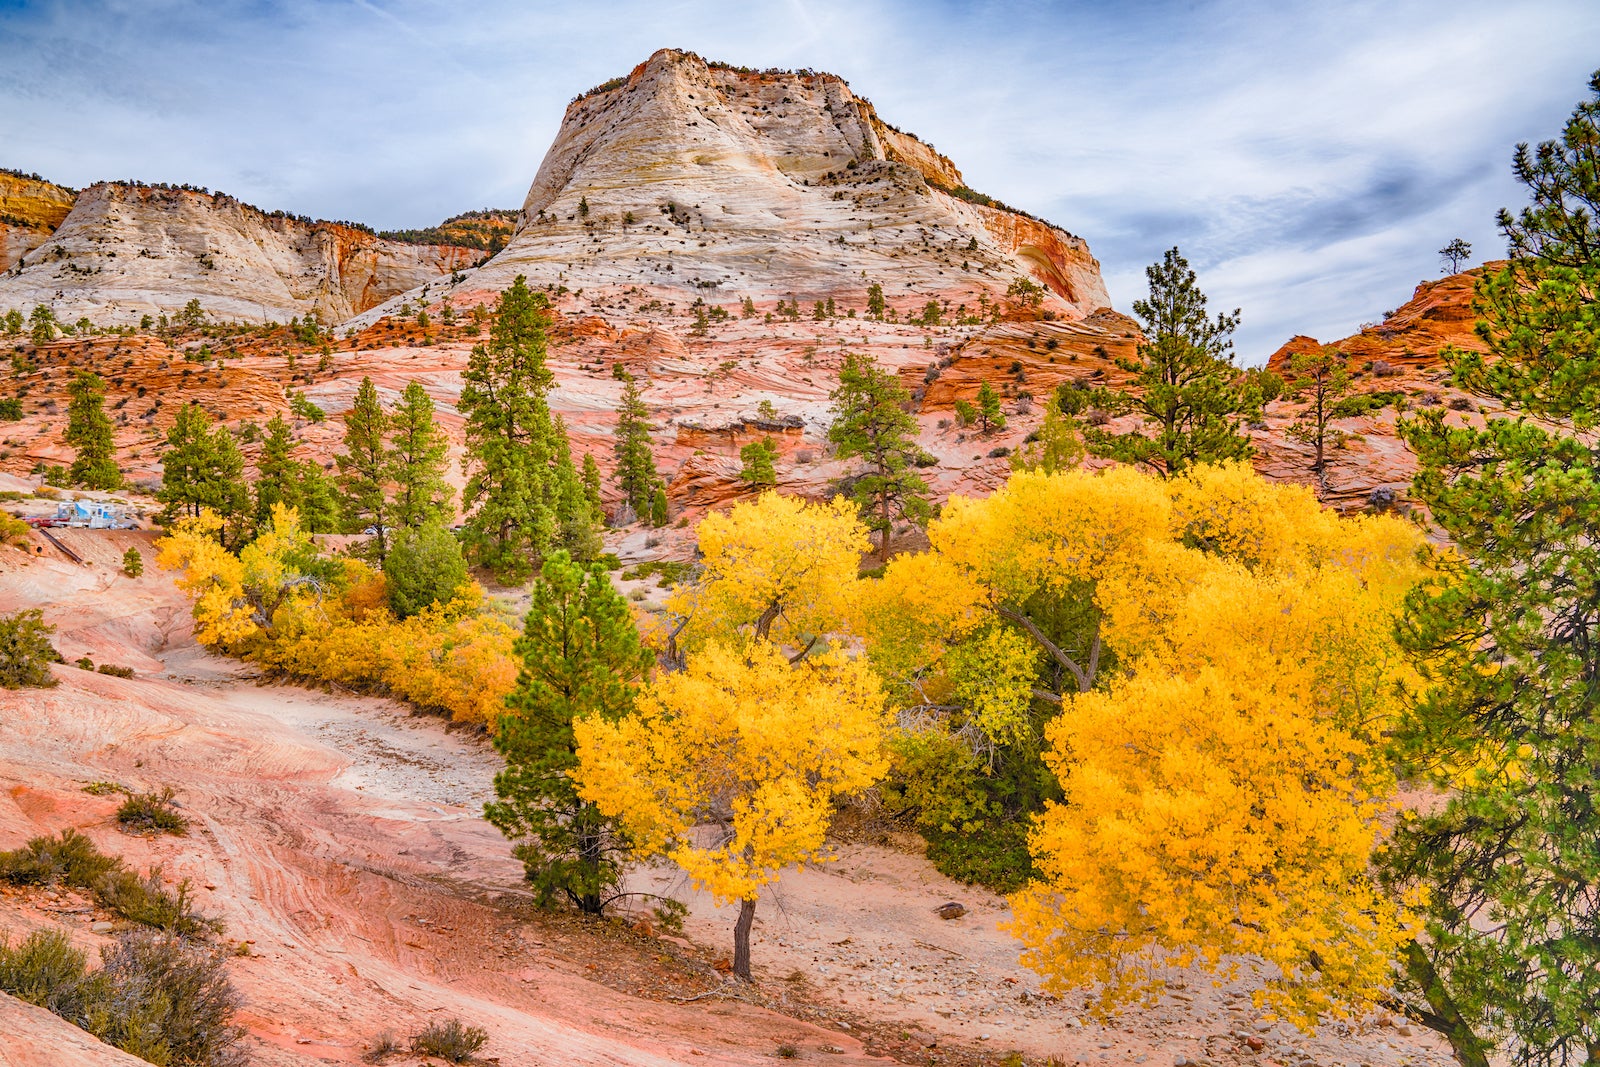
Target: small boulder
[951,910]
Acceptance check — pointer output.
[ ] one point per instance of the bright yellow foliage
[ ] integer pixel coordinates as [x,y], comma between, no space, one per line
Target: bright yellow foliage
[1223,792]
[259,604]
[730,767]
[778,569]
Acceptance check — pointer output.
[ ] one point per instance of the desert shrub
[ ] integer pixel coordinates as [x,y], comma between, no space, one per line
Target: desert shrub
[26,652]
[83,663]
[70,859]
[383,1046]
[114,671]
[165,1000]
[996,857]
[148,902]
[452,1040]
[44,969]
[424,567]
[13,531]
[10,409]
[152,813]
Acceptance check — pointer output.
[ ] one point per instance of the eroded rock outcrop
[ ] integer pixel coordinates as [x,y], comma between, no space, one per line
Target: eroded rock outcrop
[30,210]
[125,251]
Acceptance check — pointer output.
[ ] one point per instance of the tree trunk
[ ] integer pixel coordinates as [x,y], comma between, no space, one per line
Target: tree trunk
[741,939]
[1444,1017]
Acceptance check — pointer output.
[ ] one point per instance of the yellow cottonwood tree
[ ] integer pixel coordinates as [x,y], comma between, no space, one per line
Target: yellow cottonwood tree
[778,569]
[730,767]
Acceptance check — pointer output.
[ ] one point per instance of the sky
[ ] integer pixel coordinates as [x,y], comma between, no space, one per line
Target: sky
[1308,158]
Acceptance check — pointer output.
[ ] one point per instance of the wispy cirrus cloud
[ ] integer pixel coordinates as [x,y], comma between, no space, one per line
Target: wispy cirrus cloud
[1308,158]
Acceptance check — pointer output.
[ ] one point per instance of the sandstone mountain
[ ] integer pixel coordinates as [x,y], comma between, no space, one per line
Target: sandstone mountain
[121,251]
[724,182]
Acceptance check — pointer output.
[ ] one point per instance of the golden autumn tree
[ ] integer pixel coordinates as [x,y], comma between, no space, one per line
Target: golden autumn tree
[777,569]
[1203,667]
[730,767]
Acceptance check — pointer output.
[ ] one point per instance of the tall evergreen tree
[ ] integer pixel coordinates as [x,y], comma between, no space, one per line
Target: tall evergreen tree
[872,423]
[577,522]
[277,471]
[202,468]
[591,486]
[508,434]
[636,462]
[1322,379]
[581,656]
[89,431]
[418,452]
[364,468]
[1185,386]
[1509,637]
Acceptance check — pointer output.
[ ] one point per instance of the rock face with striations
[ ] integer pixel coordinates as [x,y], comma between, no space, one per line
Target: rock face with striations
[726,183]
[30,210]
[124,251]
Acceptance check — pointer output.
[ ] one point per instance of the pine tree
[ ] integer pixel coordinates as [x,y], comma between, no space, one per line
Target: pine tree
[1322,379]
[1186,387]
[1508,637]
[277,471]
[636,463]
[581,658]
[318,499]
[871,423]
[659,513]
[418,452]
[508,434]
[577,522]
[875,303]
[89,431]
[364,468]
[201,468]
[591,485]
[990,417]
[758,457]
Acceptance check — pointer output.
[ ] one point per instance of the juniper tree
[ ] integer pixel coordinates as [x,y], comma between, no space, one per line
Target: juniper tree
[418,452]
[871,423]
[635,472]
[1509,638]
[1185,386]
[580,656]
[364,468]
[89,431]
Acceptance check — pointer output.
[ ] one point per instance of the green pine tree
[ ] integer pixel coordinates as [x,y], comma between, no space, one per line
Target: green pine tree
[591,485]
[277,471]
[418,452]
[1509,638]
[635,473]
[364,468]
[990,417]
[424,567]
[1185,386]
[581,656]
[875,304]
[872,423]
[202,468]
[759,468]
[659,513]
[89,431]
[133,563]
[577,522]
[508,430]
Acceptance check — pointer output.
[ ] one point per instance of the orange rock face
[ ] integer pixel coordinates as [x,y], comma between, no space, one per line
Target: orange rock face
[30,210]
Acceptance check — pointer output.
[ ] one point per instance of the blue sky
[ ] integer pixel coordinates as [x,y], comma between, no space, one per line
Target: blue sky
[1308,158]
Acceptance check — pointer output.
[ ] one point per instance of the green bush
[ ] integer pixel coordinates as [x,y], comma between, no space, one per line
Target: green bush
[147,902]
[424,567]
[13,531]
[71,859]
[152,813]
[994,854]
[114,671]
[44,970]
[451,1040]
[26,652]
[10,409]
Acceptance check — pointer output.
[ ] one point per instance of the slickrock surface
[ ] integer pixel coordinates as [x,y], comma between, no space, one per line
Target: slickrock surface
[341,839]
[30,210]
[125,251]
